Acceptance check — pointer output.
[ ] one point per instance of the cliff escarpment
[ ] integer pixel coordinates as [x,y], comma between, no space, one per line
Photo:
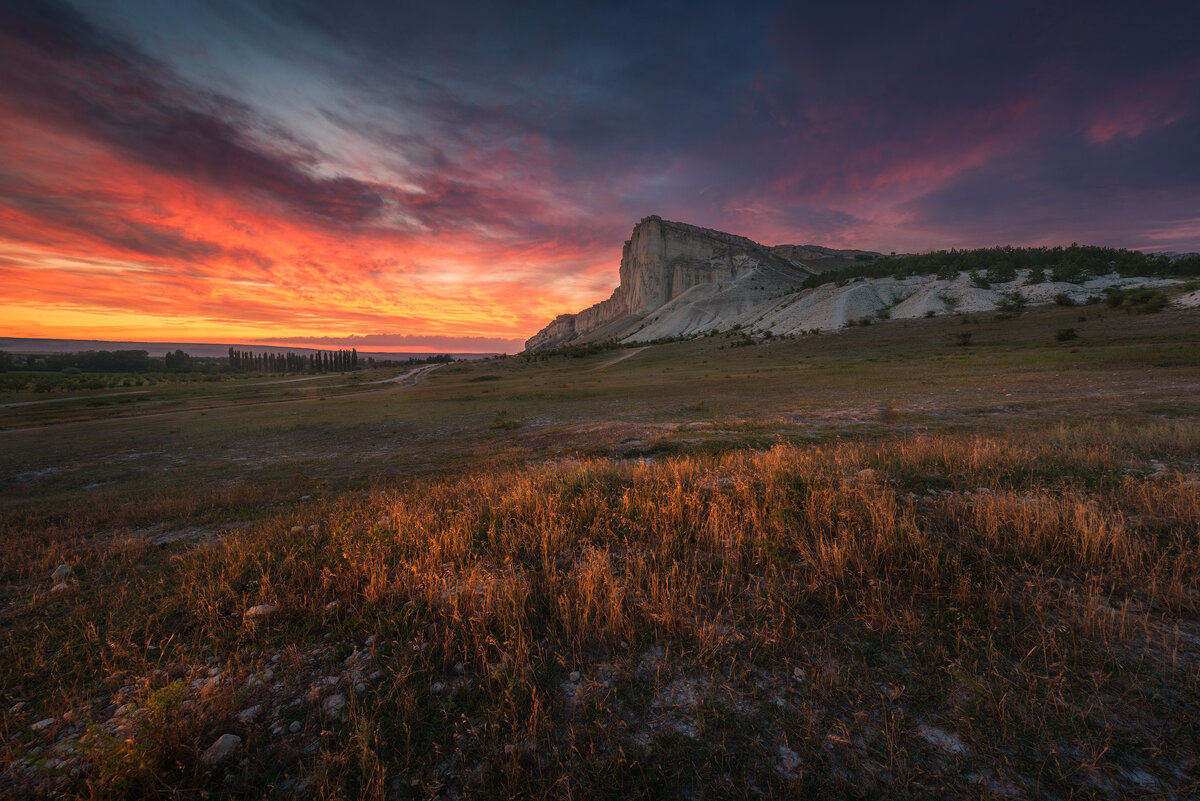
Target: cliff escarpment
[663,261]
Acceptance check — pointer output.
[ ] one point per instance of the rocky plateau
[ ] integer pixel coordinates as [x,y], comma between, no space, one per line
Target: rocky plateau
[680,280]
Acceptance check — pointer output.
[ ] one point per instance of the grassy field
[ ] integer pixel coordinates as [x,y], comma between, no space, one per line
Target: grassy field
[870,563]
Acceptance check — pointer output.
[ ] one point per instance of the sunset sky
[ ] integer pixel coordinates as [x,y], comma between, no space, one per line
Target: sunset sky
[449,176]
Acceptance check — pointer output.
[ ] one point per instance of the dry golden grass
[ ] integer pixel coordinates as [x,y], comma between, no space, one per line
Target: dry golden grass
[764,622]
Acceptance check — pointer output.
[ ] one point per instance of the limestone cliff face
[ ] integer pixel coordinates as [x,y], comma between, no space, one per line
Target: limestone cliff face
[661,261]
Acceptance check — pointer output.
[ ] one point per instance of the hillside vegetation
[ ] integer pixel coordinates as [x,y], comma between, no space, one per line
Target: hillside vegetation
[1075,264]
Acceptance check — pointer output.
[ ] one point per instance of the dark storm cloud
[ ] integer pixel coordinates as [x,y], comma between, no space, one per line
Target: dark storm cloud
[613,88]
[787,121]
[813,113]
[1062,187]
[64,72]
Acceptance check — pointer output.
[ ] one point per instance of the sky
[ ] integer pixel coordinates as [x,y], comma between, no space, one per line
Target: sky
[451,176]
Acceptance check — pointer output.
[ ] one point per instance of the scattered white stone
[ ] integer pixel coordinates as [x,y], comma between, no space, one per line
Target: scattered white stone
[277,730]
[61,573]
[360,688]
[295,727]
[124,709]
[274,658]
[305,497]
[260,612]
[59,587]
[296,530]
[329,607]
[268,674]
[1144,780]
[17,707]
[438,687]
[789,761]
[43,724]
[221,750]
[250,713]
[946,741]
[459,668]
[574,677]
[798,674]
[334,704]
[314,528]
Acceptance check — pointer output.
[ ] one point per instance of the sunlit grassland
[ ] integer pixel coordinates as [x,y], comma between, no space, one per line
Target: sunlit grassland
[869,563]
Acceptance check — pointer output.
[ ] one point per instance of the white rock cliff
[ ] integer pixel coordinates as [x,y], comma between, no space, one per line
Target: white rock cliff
[664,261]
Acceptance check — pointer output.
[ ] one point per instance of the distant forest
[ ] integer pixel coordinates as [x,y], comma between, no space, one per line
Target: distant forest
[140,361]
[1072,265]
[337,361]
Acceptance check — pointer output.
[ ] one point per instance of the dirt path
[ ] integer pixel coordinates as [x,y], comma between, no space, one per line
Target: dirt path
[294,380]
[417,375]
[620,358]
[78,397]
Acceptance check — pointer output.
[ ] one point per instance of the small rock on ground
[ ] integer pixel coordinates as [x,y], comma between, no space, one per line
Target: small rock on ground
[61,573]
[221,750]
[334,704]
[260,612]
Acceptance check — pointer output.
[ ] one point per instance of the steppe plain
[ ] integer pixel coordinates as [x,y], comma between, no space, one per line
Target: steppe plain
[872,562]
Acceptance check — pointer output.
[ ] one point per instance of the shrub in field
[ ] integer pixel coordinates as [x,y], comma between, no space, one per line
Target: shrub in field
[1064,299]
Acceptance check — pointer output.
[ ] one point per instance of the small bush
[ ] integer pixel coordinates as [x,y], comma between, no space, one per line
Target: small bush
[1002,273]
[963,340]
[1147,300]
[1066,334]
[1011,304]
[1064,299]
[978,280]
[503,422]
[948,273]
